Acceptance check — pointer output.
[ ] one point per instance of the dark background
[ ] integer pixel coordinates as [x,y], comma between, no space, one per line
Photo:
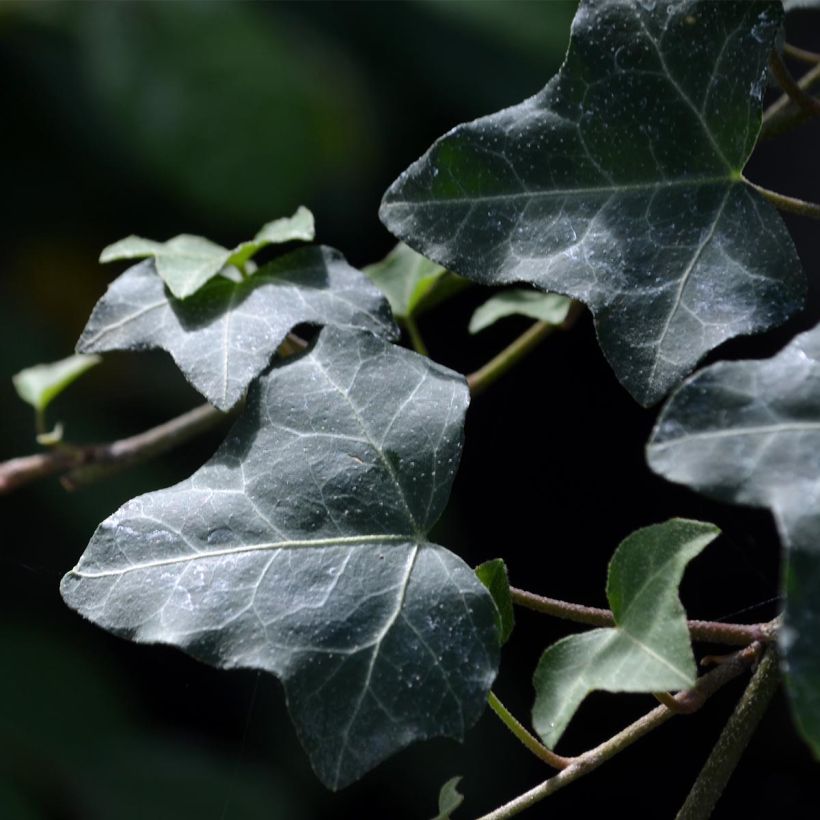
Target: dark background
[212,118]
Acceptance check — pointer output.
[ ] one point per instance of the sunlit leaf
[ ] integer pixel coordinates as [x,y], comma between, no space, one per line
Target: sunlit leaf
[449,799]
[300,548]
[648,649]
[620,185]
[749,433]
[223,336]
[546,307]
[41,384]
[493,574]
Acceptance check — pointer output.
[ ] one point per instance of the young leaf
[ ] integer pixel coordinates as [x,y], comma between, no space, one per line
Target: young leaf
[546,307]
[224,336]
[493,574]
[405,278]
[648,650]
[749,433]
[449,799]
[187,262]
[300,548]
[620,185]
[41,384]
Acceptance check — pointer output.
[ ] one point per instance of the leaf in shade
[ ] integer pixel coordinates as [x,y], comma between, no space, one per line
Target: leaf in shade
[749,433]
[493,574]
[224,336]
[41,384]
[546,307]
[648,650]
[187,262]
[449,799]
[620,185]
[300,548]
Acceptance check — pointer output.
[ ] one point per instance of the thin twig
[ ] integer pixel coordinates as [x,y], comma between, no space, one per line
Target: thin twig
[783,115]
[800,54]
[797,95]
[707,631]
[787,203]
[591,760]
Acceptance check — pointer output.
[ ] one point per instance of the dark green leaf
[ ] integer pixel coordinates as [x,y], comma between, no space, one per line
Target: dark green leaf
[41,384]
[546,307]
[187,262]
[493,574]
[648,650]
[224,335]
[749,432]
[449,799]
[620,185]
[300,548]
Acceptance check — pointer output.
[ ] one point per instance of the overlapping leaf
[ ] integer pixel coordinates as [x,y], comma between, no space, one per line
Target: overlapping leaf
[224,335]
[300,548]
[620,185]
[493,574]
[546,307]
[749,432]
[187,262]
[648,649]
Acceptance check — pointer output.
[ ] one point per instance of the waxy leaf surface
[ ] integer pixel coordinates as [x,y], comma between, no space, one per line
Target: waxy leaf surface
[187,262]
[300,548]
[648,650]
[493,574]
[546,307]
[223,336]
[749,433]
[620,185]
[41,384]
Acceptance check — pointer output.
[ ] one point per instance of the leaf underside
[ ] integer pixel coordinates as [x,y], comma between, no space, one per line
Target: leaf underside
[545,307]
[300,548]
[224,335]
[649,648]
[749,433]
[619,185]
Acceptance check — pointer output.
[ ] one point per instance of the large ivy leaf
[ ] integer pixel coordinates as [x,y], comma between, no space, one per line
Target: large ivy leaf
[223,336]
[300,548]
[620,185]
[648,649]
[749,432]
[187,262]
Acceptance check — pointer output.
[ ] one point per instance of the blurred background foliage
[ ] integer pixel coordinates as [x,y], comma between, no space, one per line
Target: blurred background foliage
[158,118]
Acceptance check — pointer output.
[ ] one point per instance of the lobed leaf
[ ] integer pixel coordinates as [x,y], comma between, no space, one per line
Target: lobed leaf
[493,574]
[449,799]
[224,335]
[546,307]
[648,650]
[300,548]
[620,185]
[41,384]
[749,432]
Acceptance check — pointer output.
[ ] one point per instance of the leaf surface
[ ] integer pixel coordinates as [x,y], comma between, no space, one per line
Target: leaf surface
[493,574]
[449,799]
[300,548]
[223,336]
[546,307]
[41,384]
[187,262]
[648,650]
[620,185]
[749,433]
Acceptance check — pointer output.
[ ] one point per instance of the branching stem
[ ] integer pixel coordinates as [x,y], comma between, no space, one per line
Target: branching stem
[802,99]
[783,114]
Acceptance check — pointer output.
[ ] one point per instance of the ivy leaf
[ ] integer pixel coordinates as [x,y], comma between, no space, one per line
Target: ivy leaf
[187,262]
[749,433]
[546,307]
[493,574]
[300,548]
[224,335]
[620,185]
[449,799]
[648,650]
[41,384]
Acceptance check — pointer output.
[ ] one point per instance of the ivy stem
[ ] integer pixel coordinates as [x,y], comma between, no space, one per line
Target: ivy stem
[591,760]
[800,54]
[707,631]
[733,740]
[527,739]
[482,378]
[783,114]
[412,328]
[787,203]
[797,95]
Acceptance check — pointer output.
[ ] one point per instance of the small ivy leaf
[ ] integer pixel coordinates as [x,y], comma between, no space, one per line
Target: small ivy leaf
[791,5]
[620,185]
[41,384]
[300,548]
[187,262]
[749,432]
[546,307]
[405,278]
[223,336]
[493,574]
[648,650]
[449,799]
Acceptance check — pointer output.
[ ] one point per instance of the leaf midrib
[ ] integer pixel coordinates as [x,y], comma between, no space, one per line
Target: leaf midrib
[769,429]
